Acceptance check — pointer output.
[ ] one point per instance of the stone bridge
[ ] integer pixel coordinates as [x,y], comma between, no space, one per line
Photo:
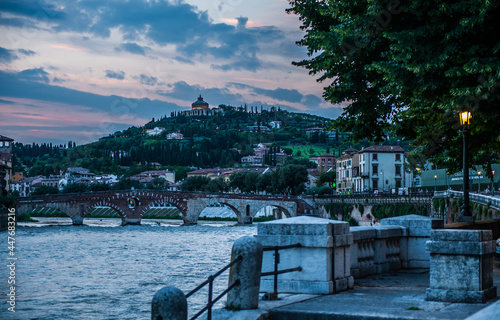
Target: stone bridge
[132,204]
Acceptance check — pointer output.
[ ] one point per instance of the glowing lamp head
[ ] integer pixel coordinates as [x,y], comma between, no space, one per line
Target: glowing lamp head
[465,117]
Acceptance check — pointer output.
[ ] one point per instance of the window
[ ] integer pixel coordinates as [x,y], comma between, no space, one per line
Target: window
[398,183]
[374,169]
[374,156]
[398,170]
[347,174]
[398,157]
[375,184]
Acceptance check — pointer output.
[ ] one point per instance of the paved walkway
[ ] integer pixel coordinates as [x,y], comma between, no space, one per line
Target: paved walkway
[398,295]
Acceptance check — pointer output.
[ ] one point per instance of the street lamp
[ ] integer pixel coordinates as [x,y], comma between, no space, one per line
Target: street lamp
[493,183]
[466,215]
[435,186]
[479,182]
[383,182]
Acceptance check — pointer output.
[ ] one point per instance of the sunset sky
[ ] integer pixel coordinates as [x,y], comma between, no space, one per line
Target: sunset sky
[79,70]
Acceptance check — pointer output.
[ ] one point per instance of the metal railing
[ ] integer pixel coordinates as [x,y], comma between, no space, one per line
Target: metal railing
[274,294]
[209,281]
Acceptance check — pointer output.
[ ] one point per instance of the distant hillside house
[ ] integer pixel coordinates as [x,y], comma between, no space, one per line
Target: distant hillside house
[154,132]
[252,161]
[257,129]
[275,124]
[175,136]
[325,162]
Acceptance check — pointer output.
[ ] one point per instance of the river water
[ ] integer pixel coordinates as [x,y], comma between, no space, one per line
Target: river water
[104,271]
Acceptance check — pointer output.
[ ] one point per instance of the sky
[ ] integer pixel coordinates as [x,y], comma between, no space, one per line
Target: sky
[80,70]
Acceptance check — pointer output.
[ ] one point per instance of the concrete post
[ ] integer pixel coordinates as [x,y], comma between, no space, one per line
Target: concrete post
[246,295]
[77,221]
[461,266]
[324,255]
[169,303]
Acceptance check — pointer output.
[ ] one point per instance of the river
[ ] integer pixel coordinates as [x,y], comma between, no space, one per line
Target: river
[104,271]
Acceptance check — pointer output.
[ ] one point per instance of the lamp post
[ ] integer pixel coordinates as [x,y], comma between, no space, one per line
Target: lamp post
[493,183]
[466,215]
[383,182]
[435,185]
[479,182]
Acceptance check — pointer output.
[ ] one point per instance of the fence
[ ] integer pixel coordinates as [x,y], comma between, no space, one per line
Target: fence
[274,295]
[210,281]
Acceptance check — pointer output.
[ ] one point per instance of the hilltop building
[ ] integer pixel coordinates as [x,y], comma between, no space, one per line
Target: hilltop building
[199,108]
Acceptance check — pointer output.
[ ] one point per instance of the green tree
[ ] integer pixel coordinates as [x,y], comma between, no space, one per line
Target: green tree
[99,187]
[410,66]
[265,183]
[290,179]
[194,183]
[327,177]
[127,184]
[216,185]
[75,188]
[43,190]
[245,181]
[157,183]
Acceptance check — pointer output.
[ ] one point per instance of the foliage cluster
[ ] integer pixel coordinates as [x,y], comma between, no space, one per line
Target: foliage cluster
[286,180]
[381,211]
[409,67]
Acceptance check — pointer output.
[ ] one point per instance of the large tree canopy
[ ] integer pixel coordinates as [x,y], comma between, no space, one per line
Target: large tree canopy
[410,67]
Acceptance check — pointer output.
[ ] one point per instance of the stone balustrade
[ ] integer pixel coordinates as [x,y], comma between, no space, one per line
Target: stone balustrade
[378,249]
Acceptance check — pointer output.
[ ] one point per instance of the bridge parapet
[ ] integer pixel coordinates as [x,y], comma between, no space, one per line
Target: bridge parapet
[131,204]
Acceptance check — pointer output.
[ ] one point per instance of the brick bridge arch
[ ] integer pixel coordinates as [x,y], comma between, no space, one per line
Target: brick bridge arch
[132,204]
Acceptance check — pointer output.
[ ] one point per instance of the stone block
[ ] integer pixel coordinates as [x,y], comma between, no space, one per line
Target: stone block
[388,231]
[360,233]
[418,226]
[324,256]
[462,235]
[461,266]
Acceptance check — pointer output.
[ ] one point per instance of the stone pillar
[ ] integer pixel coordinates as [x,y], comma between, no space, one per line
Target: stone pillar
[461,266]
[77,221]
[413,253]
[324,256]
[246,295]
[169,303]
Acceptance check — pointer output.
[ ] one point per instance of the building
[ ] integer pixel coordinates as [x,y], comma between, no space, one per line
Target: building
[275,124]
[27,185]
[154,132]
[147,176]
[175,136]
[5,164]
[325,162]
[346,168]
[199,104]
[253,161]
[381,169]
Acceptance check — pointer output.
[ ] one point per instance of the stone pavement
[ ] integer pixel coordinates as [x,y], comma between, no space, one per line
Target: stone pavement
[397,295]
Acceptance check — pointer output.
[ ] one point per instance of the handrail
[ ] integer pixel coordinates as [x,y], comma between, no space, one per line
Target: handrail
[274,294]
[209,281]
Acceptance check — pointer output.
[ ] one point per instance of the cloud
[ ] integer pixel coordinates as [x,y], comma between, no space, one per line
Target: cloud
[183,91]
[7,56]
[147,80]
[37,75]
[119,75]
[177,23]
[288,95]
[133,48]
[25,85]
